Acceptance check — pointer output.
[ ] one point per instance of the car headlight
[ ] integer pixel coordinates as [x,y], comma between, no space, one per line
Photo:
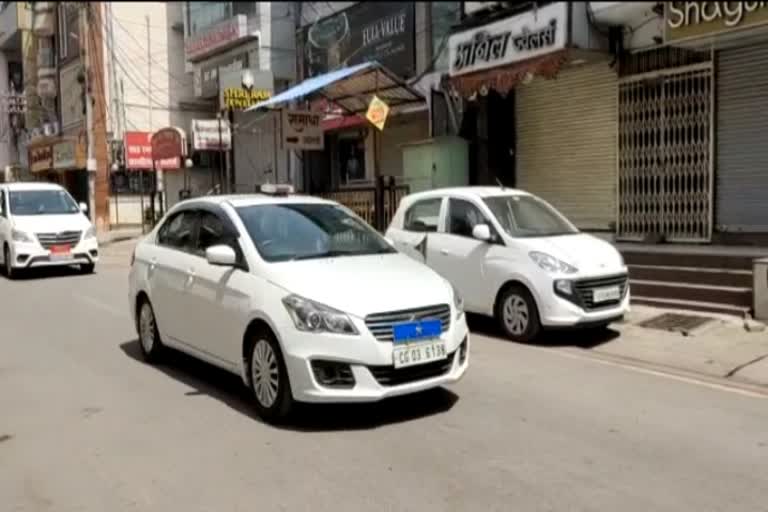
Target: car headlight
[551,264]
[458,302]
[20,236]
[90,233]
[310,316]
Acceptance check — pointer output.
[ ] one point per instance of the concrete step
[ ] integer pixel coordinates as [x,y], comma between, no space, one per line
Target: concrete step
[693,260]
[704,276]
[703,306]
[727,295]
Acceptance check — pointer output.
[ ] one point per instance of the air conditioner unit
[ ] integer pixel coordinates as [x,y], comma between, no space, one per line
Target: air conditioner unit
[474,7]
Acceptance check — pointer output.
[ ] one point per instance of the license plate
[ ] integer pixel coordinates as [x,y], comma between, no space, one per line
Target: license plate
[60,252]
[606,294]
[418,353]
[415,331]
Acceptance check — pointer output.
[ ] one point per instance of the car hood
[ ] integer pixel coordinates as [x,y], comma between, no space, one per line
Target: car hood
[51,223]
[586,252]
[362,285]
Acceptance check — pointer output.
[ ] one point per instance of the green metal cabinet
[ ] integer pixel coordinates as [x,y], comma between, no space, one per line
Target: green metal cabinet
[436,163]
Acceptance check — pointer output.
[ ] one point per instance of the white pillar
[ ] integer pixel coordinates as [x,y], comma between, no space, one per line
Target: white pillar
[5,142]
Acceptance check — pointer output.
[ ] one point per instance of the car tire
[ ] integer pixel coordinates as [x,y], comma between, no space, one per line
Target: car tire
[10,273]
[87,268]
[268,378]
[149,336]
[518,315]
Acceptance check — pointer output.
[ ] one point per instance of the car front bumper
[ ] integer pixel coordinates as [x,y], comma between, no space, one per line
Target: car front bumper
[371,365]
[556,311]
[33,255]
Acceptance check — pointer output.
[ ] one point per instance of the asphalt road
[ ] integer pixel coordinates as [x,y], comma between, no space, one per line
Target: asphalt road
[86,426]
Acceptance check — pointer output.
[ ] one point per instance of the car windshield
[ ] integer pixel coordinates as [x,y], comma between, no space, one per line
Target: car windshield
[283,232]
[528,216]
[41,202]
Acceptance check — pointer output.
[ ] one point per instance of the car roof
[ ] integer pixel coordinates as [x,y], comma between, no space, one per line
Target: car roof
[240,200]
[31,185]
[468,192]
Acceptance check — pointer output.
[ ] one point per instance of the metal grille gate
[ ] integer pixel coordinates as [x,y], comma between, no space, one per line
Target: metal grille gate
[665,155]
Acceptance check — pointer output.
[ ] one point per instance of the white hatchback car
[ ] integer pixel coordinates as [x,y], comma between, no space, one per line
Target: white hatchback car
[513,256]
[299,297]
[42,226]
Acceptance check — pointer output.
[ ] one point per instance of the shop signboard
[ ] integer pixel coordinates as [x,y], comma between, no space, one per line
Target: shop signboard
[217,37]
[302,130]
[138,150]
[64,156]
[209,73]
[515,39]
[72,108]
[211,134]
[377,112]
[691,20]
[40,158]
[367,31]
[245,88]
[169,147]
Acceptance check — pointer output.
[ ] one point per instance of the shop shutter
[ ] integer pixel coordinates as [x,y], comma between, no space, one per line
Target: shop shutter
[742,139]
[566,143]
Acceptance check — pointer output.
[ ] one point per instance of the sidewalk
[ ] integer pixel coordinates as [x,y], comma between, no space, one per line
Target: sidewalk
[720,348]
[118,235]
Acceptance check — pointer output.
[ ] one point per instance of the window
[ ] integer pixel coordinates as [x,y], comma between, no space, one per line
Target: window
[283,232]
[463,216]
[423,216]
[69,30]
[203,15]
[352,159]
[178,232]
[42,202]
[528,216]
[444,16]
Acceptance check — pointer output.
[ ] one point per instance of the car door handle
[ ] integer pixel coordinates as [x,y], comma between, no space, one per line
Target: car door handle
[445,252]
[190,276]
[152,264]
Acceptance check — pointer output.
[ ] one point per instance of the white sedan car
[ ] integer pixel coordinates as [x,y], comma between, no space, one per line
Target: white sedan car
[42,226]
[513,256]
[299,297]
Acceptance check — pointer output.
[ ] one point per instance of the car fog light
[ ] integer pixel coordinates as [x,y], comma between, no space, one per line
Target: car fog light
[564,286]
[463,351]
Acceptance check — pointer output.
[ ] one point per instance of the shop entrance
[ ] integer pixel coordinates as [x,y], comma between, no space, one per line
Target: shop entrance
[665,155]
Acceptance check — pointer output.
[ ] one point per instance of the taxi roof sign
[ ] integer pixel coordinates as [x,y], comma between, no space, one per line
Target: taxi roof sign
[276,190]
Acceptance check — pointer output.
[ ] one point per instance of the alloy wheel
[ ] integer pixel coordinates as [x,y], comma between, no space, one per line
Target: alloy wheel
[516,314]
[265,373]
[147,328]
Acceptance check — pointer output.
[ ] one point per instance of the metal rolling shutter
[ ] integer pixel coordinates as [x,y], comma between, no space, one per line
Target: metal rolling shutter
[742,139]
[566,143]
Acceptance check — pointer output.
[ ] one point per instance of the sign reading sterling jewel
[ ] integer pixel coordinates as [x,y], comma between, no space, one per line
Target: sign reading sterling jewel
[514,39]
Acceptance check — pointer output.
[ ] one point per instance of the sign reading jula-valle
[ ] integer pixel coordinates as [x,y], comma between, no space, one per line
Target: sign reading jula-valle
[689,20]
[510,40]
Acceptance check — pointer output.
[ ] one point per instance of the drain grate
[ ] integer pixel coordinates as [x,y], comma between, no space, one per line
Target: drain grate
[675,322]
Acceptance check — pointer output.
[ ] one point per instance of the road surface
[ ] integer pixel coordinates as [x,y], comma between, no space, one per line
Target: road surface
[86,426]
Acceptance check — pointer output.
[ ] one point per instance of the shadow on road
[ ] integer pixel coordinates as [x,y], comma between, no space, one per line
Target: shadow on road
[579,338]
[47,273]
[209,380]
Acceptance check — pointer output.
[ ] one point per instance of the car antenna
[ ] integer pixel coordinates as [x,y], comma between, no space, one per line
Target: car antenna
[498,181]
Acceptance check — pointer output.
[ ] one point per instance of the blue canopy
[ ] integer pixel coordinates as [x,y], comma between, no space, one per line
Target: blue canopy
[351,88]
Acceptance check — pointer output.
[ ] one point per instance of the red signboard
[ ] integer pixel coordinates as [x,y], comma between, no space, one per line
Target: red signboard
[138,150]
[216,37]
[169,146]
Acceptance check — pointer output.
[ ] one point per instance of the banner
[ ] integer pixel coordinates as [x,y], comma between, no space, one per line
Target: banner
[302,130]
[138,150]
[377,112]
[206,135]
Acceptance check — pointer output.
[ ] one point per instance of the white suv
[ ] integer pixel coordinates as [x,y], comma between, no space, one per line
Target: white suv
[513,256]
[41,226]
[299,297]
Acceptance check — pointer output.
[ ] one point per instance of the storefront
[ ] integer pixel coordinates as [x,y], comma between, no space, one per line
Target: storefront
[60,160]
[541,115]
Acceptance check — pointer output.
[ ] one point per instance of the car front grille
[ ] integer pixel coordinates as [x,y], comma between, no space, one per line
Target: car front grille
[48,240]
[380,324]
[583,290]
[391,376]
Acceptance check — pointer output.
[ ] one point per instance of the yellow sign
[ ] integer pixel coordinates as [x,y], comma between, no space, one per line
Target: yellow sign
[377,112]
[238,98]
[688,20]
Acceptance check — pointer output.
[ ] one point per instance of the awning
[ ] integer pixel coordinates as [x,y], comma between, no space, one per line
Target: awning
[503,79]
[351,88]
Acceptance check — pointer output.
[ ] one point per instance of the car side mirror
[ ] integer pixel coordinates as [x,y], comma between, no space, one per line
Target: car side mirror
[482,232]
[222,255]
[83,207]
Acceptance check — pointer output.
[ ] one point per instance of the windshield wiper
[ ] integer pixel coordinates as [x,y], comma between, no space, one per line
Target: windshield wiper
[335,253]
